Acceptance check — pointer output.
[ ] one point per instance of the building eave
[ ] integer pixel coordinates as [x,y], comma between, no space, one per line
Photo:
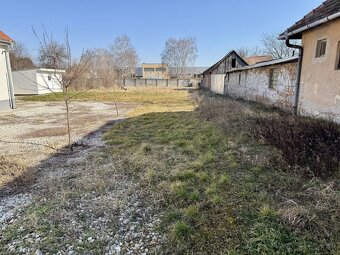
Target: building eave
[297,34]
[266,64]
[221,60]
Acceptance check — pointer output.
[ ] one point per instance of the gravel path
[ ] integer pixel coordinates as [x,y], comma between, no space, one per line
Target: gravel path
[115,220]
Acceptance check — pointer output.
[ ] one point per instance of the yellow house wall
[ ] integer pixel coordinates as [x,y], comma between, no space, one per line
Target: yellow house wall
[320,81]
[158,74]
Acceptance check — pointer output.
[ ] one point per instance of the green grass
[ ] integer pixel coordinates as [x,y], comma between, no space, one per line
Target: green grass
[219,190]
[215,202]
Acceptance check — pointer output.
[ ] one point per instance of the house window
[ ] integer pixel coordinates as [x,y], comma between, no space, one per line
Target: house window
[273,77]
[337,64]
[49,77]
[239,79]
[160,69]
[321,48]
[233,63]
[228,77]
[149,69]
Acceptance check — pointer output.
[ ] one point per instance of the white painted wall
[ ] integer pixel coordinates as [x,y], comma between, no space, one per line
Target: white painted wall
[3,76]
[5,102]
[254,85]
[36,82]
[48,82]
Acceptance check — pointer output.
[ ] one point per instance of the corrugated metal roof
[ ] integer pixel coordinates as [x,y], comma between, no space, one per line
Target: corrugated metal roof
[266,63]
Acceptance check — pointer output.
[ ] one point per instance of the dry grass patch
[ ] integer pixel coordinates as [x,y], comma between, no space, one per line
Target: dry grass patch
[146,99]
[46,132]
[15,175]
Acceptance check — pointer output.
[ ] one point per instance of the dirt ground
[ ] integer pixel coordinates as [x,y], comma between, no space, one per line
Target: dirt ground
[35,130]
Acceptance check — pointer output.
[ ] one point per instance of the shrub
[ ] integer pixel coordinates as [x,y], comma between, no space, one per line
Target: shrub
[304,142]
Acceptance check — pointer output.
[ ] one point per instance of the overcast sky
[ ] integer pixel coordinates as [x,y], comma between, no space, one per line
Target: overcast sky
[218,25]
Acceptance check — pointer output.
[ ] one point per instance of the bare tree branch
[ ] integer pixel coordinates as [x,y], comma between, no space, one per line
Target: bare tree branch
[179,53]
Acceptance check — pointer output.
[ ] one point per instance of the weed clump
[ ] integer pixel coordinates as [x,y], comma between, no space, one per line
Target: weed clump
[181,231]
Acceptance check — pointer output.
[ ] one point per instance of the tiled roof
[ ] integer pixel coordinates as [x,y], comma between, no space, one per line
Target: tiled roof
[325,10]
[257,59]
[5,38]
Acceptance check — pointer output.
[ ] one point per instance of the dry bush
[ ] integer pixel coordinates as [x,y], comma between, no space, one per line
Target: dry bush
[9,170]
[309,146]
[229,114]
[310,143]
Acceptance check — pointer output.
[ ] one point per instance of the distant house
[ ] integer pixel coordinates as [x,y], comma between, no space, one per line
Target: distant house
[319,92]
[7,99]
[37,81]
[155,71]
[213,77]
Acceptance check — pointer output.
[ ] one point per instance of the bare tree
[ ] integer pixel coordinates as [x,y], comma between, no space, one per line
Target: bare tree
[276,48]
[124,56]
[57,56]
[250,51]
[20,58]
[102,72]
[102,68]
[54,54]
[179,53]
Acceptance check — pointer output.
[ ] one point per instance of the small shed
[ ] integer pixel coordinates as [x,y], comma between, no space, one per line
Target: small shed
[37,81]
[7,100]
[213,77]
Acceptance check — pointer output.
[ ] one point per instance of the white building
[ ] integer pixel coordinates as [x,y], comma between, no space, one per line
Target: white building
[37,81]
[7,99]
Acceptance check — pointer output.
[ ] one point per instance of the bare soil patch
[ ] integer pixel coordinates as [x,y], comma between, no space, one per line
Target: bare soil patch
[36,130]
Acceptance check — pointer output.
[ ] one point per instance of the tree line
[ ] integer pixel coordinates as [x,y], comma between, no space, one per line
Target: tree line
[106,67]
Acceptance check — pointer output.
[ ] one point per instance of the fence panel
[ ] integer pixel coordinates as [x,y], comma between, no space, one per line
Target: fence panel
[156,83]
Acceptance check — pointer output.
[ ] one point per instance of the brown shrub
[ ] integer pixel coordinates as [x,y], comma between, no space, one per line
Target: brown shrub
[311,146]
[305,142]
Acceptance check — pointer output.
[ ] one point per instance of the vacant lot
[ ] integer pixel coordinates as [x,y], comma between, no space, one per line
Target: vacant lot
[36,129]
[176,181]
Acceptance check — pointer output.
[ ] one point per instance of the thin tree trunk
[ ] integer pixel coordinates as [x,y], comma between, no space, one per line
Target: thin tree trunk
[114,99]
[68,119]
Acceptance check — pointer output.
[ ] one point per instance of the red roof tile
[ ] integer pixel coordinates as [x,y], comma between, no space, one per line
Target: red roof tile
[6,38]
[257,59]
[327,8]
